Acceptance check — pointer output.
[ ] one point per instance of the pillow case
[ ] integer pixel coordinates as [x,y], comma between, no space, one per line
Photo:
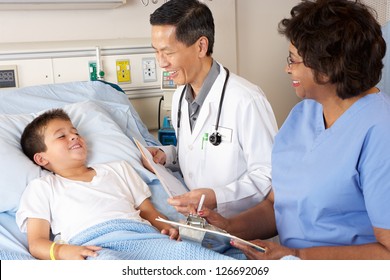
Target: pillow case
[16,168]
[106,142]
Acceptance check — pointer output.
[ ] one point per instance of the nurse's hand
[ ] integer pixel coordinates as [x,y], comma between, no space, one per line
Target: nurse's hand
[213,218]
[158,157]
[273,251]
[183,203]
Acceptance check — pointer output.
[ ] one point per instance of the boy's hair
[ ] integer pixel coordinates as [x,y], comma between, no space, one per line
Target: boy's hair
[32,139]
[191,18]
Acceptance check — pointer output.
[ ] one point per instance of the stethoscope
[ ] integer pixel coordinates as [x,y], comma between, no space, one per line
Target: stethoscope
[215,138]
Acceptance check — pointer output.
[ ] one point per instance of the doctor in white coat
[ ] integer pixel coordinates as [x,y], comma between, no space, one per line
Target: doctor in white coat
[224,124]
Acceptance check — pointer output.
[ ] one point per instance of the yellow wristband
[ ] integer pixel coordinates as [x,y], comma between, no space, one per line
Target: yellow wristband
[52,257]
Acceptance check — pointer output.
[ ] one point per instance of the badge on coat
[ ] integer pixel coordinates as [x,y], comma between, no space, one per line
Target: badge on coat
[226,133]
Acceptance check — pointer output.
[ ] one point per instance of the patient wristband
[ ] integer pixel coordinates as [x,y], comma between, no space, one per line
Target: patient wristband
[52,257]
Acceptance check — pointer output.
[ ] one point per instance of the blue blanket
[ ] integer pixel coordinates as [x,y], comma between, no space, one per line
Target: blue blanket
[129,240]
[12,255]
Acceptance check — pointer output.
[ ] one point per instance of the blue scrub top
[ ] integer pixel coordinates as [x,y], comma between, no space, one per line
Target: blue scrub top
[332,185]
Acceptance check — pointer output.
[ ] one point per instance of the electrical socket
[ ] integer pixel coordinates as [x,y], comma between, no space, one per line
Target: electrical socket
[123,74]
[149,69]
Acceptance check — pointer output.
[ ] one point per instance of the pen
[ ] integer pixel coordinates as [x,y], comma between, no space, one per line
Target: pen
[205,138]
[200,205]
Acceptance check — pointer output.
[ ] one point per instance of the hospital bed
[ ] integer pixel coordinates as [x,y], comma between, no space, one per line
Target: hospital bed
[106,119]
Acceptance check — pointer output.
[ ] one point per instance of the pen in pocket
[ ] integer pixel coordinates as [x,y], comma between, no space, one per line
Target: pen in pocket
[205,139]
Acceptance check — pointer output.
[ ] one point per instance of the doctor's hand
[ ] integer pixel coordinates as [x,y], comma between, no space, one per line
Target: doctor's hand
[185,202]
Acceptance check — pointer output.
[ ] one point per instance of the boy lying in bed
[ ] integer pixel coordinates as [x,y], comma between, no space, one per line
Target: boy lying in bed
[75,197]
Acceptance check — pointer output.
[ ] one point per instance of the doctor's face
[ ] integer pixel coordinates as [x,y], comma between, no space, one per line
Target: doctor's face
[182,61]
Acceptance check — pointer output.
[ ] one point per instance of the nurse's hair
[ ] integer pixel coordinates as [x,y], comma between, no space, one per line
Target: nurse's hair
[33,136]
[340,39]
[191,18]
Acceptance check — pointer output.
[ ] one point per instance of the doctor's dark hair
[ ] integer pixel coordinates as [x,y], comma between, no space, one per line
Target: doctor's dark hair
[32,139]
[191,18]
[338,38]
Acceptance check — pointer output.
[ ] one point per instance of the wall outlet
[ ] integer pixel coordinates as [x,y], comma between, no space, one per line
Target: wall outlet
[92,71]
[149,69]
[123,74]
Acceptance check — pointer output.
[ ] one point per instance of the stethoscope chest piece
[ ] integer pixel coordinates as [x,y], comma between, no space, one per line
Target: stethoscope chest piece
[215,138]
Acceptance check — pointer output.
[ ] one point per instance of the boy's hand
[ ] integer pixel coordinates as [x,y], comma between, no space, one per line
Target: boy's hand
[173,233]
[73,252]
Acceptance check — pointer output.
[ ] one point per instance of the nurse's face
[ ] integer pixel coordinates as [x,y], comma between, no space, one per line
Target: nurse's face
[302,76]
[182,61]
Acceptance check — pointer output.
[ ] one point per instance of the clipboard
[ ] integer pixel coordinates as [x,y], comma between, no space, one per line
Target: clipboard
[170,183]
[216,236]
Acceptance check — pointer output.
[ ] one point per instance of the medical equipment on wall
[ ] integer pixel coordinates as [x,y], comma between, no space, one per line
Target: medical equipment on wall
[215,138]
[99,65]
[166,134]
[8,76]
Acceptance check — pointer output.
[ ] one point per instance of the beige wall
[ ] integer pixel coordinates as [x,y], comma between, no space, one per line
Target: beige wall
[262,51]
[128,21]
[246,38]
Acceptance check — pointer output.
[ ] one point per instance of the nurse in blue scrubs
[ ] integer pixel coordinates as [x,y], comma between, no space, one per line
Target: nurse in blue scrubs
[331,157]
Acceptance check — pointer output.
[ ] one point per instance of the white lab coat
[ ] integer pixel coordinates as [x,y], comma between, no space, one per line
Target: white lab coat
[239,169]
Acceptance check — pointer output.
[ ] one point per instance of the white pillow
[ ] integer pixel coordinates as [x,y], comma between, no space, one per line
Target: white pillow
[106,141]
[105,138]
[16,168]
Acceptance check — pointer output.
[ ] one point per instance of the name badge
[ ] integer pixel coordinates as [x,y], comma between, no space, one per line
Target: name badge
[226,133]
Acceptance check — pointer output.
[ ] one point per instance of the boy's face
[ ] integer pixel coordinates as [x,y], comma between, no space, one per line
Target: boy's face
[65,147]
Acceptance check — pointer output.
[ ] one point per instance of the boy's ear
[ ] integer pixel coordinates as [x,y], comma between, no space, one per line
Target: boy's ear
[40,159]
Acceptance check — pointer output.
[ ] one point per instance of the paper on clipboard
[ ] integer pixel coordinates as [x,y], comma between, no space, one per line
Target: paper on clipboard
[170,183]
[212,232]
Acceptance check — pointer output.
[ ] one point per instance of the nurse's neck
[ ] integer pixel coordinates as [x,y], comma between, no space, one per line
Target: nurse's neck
[335,107]
[201,75]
